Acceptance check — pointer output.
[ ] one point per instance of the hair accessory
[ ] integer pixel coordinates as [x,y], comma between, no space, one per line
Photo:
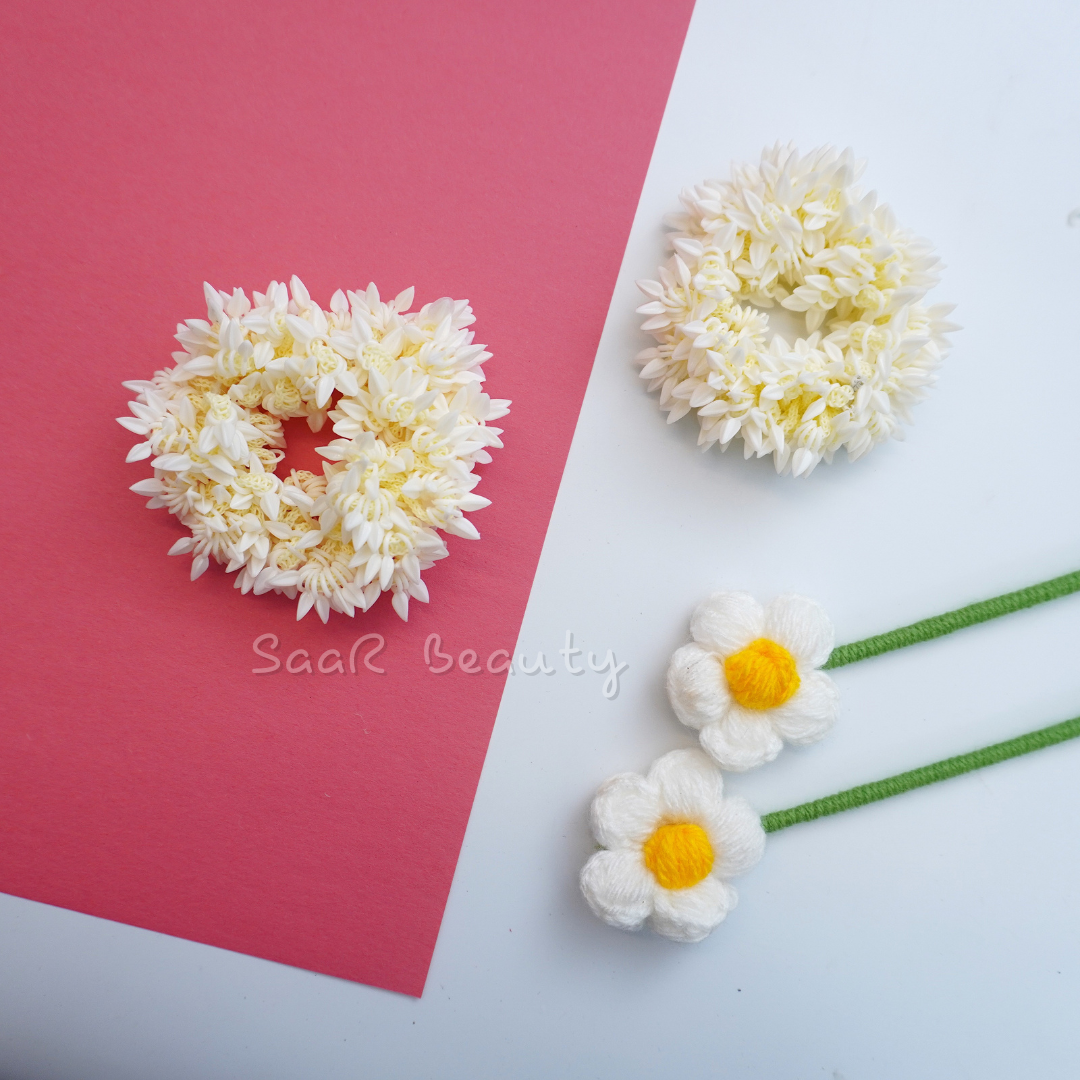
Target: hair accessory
[666,859]
[754,678]
[793,230]
[751,680]
[412,423]
[672,840]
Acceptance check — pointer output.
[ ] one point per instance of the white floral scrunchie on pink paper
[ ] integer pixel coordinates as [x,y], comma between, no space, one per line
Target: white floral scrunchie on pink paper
[750,682]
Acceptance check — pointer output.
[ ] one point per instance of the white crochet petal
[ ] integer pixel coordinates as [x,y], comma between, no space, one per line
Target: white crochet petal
[688,785]
[692,914]
[810,712]
[802,627]
[727,622]
[697,687]
[618,888]
[742,740]
[625,811]
[737,837]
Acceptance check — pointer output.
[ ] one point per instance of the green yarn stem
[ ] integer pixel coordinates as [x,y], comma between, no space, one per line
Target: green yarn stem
[954,620]
[927,774]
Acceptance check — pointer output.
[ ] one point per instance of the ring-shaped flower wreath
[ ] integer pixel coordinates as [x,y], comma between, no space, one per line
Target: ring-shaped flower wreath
[794,231]
[411,419]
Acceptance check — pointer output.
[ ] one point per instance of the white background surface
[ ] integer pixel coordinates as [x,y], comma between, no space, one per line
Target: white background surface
[931,936]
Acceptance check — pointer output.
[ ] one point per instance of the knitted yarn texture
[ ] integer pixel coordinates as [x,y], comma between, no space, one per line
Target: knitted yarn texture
[927,774]
[653,879]
[750,680]
[754,677]
[671,840]
[971,615]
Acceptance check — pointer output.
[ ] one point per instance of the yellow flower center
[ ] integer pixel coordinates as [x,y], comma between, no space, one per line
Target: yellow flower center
[335,548]
[257,482]
[327,360]
[220,407]
[284,559]
[286,396]
[250,396]
[762,676]
[679,855]
[376,356]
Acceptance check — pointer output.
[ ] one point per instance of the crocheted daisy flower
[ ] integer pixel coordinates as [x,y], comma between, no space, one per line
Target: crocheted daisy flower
[794,231]
[749,681]
[671,842]
[402,390]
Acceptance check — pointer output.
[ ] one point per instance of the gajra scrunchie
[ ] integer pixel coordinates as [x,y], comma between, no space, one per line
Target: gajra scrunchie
[409,412]
[793,230]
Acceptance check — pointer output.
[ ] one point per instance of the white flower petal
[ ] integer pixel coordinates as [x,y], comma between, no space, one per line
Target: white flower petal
[134,425]
[727,622]
[742,740]
[810,712]
[688,784]
[692,914]
[802,627]
[697,687]
[625,811]
[618,888]
[737,837]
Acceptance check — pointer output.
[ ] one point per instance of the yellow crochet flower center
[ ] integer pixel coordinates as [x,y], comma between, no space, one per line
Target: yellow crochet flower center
[762,676]
[679,855]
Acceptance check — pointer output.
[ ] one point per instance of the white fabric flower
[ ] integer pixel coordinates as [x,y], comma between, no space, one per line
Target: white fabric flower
[412,423]
[749,681]
[671,842]
[793,230]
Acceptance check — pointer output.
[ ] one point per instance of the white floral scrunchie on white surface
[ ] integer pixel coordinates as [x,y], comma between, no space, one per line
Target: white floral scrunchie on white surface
[793,230]
[750,681]
[672,840]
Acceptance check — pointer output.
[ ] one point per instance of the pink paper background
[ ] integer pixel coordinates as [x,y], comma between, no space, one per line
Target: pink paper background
[484,150]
